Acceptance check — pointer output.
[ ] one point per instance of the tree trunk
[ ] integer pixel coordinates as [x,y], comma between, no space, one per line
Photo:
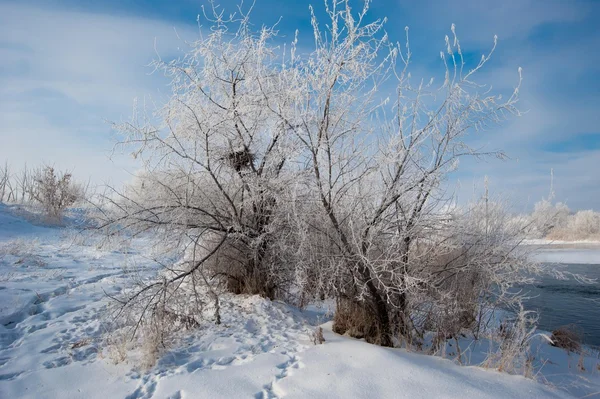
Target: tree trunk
[383,317]
[381,309]
[402,299]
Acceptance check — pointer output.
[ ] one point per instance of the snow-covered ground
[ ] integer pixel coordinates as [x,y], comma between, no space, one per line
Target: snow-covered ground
[52,293]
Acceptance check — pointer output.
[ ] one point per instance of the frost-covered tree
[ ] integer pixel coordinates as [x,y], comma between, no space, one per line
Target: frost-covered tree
[377,164]
[300,175]
[219,165]
[583,225]
[547,216]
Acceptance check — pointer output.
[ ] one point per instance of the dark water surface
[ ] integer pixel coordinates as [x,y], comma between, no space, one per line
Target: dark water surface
[563,302]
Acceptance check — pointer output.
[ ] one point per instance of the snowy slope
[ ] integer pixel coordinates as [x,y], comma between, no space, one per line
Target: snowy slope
[365,371]
[51,346]
[50,295]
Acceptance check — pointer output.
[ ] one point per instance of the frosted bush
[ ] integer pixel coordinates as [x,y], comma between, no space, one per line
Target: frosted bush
[55,191]
[585,223]
[547,217]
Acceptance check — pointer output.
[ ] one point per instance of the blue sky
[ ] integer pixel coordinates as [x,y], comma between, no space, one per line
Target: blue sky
[66,67]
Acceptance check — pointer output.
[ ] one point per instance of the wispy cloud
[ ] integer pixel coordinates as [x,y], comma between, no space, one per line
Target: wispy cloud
[64,73]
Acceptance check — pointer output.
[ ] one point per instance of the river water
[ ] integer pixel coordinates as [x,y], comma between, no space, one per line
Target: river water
[564,302]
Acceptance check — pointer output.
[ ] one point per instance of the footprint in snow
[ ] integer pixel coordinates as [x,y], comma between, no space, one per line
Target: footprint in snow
[225,360]
[176,395]
[59,362]
[144,391]
[85,354]
[37,327]
[198,364]
[242,359]
[51,349]
[10,376]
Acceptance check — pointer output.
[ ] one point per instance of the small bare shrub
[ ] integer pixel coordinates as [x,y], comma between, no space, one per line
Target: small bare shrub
[55,191]
[567,337]
[116,346]
[581,362]
[142,350]
[317,336]
[513,352]
[151,347]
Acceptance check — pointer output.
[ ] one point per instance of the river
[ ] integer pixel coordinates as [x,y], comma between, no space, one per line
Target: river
[564,302]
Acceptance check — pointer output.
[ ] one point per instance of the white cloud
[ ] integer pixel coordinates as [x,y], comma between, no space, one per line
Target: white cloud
[478,21]
[63,73]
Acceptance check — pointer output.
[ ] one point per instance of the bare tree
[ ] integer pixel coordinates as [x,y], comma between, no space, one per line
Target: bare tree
[24,183]
[6,187]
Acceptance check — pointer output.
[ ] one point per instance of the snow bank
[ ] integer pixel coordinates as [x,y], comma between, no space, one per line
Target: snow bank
[344,368]
[51,342]
[12,226]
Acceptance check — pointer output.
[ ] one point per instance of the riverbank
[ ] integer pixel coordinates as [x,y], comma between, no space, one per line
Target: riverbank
[546,243]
